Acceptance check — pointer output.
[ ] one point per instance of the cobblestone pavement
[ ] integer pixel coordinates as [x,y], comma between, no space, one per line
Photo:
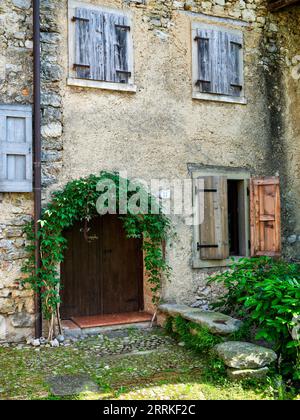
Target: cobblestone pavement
[127,364]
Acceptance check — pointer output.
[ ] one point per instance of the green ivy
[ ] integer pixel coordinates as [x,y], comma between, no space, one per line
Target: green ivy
[77,202]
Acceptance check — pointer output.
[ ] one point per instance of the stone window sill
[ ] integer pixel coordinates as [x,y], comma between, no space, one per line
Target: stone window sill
[121,87]
[197,263]
[219,98]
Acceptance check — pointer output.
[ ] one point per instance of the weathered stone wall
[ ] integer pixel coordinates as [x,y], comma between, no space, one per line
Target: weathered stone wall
[16,86]
[16,304]
[52,116]
[282,59]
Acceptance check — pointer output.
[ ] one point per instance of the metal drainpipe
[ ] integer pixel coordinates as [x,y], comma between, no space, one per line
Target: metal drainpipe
[37,152]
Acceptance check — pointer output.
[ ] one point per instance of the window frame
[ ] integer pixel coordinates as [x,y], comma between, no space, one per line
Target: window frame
[72,79]
[196,94]
[232,174]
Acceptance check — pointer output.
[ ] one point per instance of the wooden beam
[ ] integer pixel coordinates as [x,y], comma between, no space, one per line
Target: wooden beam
[280,4]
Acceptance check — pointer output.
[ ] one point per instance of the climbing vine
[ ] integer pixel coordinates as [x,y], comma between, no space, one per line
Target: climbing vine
[77,202]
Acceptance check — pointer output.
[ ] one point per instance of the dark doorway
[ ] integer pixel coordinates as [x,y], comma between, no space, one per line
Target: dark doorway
[233,217]
[102,272]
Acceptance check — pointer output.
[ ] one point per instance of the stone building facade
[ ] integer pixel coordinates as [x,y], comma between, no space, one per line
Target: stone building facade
[157,131]
[17,306]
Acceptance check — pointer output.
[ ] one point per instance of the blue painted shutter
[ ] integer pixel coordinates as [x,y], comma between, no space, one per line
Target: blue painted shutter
[15,148]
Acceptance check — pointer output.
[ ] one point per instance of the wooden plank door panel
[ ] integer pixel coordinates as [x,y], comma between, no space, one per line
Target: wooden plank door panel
[103,275]
[122,267]
[81,291]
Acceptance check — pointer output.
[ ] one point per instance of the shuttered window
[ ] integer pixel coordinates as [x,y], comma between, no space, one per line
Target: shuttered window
[265,217]
[221,216]
[15,148]
[218,63]
[223,231]
[102,44]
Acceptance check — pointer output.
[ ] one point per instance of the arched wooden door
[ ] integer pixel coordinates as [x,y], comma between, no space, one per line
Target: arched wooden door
[104,274]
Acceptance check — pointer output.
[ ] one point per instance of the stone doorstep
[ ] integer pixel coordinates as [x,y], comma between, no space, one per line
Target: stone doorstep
[73,331]
[112,319]
[215,322]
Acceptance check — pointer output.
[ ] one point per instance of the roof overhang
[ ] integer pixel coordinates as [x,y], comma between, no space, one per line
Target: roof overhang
[275,5]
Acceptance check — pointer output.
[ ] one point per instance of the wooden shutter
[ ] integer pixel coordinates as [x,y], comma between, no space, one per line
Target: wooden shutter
[220,61]
[265,217]
[203,39]
[15,149]
[235,65]
[83,45]
[102,45]
[214,238]
[122,31]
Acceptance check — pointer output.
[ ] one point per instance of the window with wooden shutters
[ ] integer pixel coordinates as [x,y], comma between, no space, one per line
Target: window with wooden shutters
[218,64]
[222,232]
[101,50]
[265,217]
[15,148]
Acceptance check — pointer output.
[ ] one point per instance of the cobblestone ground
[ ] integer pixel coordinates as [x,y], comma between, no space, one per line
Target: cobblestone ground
[125,342]
[129,364]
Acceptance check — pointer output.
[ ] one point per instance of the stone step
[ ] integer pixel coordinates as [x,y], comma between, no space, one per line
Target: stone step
[215,322]
[246,374]
[243,356]
[85,332]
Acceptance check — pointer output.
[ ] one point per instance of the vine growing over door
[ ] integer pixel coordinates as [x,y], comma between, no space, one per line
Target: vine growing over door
[77,202]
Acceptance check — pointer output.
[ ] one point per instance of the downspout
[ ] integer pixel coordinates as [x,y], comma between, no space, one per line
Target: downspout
[37,153]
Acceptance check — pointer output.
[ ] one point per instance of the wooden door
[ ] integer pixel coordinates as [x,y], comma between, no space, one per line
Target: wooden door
[104,274]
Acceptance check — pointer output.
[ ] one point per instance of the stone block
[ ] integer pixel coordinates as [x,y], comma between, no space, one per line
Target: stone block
[246,374]
[22,4]
[22,320]
[240,355]
[215,322]
[3,328]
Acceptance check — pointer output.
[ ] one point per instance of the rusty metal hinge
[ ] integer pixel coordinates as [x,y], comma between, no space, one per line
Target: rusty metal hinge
[236,85]
[124,27]
[124,72]
[75,65]
[201,38]
[237,44]
[199,190]
[81,19]
[199,246]
[198,83]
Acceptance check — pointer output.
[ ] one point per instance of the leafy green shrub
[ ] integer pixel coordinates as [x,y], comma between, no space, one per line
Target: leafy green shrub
[266,293]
